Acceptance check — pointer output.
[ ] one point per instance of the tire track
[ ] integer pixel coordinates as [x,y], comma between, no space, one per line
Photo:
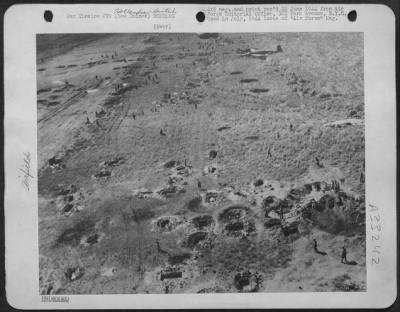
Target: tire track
[70,101]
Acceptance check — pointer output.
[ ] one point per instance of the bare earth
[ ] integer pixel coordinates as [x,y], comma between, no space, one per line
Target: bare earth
[182,163]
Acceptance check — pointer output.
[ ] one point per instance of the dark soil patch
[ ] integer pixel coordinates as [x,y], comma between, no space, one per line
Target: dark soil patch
[168,275]
[234,226]
[291,229]
[307,188]
[241,280]
[114,162]
[212,290]
[325,96]
[170,164]
[67,208]
[53,103]
[202,222]
[162,223]
[195,204]
[295,194]
[43,90]
[232,213]
[143,213]
[223,128]
[212,154]
[270,202]
[67,190]
[236,73]
[102,174]
[58,90]
[195,238]
[258,182]
[248,80]
[93,239]
[317,186]
[272,223]
[252,137]
[191,85]
[326,201]
[72,236]
[259,90]
[179,258]
[171,191]
[73,273]
[208,35]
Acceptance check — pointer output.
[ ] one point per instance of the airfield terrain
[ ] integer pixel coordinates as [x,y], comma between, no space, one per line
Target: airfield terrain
[187,163]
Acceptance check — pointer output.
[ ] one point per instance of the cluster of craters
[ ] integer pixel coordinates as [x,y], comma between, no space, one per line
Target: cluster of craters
[321,204]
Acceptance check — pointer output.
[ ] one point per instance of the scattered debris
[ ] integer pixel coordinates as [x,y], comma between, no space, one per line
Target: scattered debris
[248,281]
[56,163]
[171,191]
[73,273]
[195,238]
[167,223]
[290,229]
[108,272]
[145,193]
[326,201]
[92,239]
[237,221]
[112,163]
[67,209]
[202,222]
[171,273]
[272,222]
[65,190]
[210,169]
[211,196]
[102,173]
[345,123]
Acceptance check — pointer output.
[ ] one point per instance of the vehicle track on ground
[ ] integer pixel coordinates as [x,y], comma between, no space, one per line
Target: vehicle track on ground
[70,101]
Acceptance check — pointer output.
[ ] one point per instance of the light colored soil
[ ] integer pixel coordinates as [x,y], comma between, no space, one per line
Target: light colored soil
[316,80]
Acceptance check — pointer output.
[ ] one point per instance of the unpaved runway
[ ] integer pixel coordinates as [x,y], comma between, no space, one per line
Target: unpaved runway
[130,121]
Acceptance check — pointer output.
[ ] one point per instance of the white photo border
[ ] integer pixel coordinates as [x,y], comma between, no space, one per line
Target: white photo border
[23,22]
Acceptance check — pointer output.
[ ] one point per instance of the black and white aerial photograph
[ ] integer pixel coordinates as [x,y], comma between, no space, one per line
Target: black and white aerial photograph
[201,163]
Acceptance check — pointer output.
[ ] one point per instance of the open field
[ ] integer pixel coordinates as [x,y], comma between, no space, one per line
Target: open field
[185,163]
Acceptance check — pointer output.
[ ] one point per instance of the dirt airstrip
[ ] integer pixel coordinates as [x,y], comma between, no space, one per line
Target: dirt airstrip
[185,163]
